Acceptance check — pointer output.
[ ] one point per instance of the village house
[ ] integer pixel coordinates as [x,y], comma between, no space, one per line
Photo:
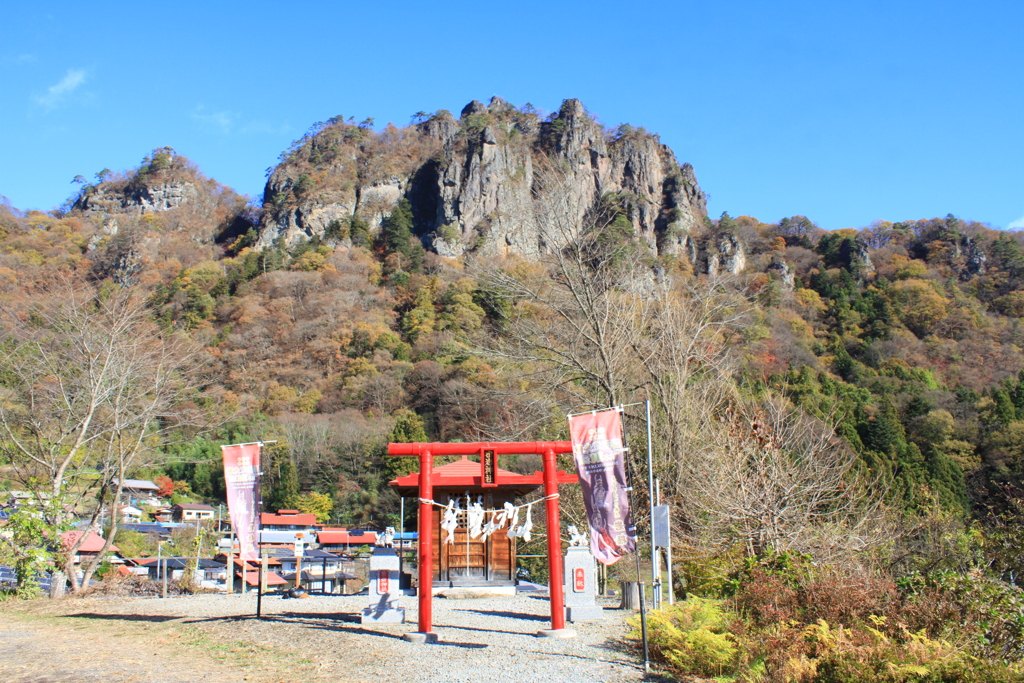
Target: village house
[140,492]
[162,533]
[90,548]
[19,498]
[288,529]
[288,520]
[130,514]
[208,573]
[345,541]
[320,571]
[189,512]
[250,571]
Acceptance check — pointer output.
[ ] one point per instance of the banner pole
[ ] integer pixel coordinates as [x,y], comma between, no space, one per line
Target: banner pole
[655,560]
[636,554]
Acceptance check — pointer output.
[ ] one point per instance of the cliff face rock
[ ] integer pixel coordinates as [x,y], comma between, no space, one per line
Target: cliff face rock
[164,215]
[136,199]
[726,255]
[973,258]
[860,259]
[173,188]
[474,182]
[784,272]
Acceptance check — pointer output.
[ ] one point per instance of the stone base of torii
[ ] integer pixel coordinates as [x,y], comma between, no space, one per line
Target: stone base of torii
[488,453]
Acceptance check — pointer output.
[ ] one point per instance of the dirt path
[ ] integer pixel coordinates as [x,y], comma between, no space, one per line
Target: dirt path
[80,645]
[216,638]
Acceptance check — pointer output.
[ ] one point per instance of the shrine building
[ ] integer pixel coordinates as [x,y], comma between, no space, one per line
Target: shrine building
[483,562]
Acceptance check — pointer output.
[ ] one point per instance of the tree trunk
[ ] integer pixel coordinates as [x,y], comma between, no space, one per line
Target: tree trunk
[58,581]
[630,595]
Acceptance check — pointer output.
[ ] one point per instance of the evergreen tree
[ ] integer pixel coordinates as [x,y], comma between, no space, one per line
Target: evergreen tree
[726,224]
[880,429]
[1005,411]
[408,428]
[285,490]
[396,237]
[1017,394]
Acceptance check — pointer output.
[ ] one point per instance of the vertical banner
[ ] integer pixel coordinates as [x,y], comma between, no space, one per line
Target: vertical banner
[242,477]
[601,466]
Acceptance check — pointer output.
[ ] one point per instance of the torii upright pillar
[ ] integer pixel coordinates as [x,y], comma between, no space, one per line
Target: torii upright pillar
[425,555]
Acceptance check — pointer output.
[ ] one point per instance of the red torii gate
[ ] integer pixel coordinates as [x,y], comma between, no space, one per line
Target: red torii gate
[489,476]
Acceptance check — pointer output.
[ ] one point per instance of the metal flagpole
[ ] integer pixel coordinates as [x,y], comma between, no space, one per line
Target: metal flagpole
[655,569]
[636,553]
[401,541]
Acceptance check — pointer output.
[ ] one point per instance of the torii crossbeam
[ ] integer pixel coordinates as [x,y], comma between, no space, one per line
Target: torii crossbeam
[489,475]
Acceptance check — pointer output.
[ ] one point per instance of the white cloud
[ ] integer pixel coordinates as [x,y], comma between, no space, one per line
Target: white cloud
[228,122]
[57,94]
[25,59]
[223,121]
[1017,224]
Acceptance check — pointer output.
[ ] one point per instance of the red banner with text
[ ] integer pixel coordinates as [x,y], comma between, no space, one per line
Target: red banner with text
[600,463]
[242,477]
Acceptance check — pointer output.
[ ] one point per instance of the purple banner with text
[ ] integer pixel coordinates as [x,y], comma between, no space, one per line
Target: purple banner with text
[242,477]
[601,466]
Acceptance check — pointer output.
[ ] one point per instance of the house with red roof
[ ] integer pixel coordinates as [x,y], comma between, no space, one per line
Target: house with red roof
[250,571]
[90,548]
[288,520]
[344,540]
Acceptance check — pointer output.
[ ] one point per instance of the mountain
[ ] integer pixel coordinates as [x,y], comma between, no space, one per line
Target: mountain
[352,291]
[472,182]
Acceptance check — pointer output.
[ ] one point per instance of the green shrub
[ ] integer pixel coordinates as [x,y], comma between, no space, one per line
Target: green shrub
[695,637]
[870,655]
[987,614]
[338,229]
[706,575]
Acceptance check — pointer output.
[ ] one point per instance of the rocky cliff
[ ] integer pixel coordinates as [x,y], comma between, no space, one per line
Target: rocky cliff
[474,182]
[164,212]
[136,199]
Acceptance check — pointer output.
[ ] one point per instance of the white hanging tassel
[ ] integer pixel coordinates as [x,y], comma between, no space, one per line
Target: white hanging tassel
[523,532]
[498,519]
[513,524]
[476,517]
[450,521]
[492,525]
[505,515]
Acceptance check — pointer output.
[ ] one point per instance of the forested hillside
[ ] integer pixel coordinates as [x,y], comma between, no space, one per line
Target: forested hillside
[478,278]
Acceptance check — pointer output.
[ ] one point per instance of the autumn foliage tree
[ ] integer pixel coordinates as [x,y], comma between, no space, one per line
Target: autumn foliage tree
[166,486]
[91,388]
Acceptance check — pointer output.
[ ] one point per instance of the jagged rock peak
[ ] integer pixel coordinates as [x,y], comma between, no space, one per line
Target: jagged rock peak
[473,182]
[499,106]
[137,198]
[441,125]
[474,107]
[571,108]
[163,182]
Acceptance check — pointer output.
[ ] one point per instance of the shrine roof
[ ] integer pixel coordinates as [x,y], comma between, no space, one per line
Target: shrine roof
[465,474]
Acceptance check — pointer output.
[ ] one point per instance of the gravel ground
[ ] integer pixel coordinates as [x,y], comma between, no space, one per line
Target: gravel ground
[216,637]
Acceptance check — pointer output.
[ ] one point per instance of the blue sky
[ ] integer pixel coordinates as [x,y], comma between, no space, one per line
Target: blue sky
[844,112]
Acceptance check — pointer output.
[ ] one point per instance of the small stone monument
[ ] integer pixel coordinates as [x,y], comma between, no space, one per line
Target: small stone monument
[384,590]
[580,581]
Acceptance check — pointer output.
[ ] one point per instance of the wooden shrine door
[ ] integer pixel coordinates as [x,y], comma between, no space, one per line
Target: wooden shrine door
[467,557]
[474,562]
